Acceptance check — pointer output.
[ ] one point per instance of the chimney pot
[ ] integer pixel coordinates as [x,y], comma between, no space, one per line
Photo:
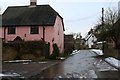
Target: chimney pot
[33,2]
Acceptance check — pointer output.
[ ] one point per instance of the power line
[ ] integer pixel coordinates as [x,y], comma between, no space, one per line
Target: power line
[84,18]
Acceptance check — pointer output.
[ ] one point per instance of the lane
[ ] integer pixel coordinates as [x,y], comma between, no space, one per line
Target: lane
[81,65]
[0,55]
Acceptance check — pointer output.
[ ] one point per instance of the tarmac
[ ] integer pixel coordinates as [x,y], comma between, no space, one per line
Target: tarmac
[27,69]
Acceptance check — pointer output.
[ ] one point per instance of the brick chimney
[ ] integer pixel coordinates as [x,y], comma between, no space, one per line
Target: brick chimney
[33,2]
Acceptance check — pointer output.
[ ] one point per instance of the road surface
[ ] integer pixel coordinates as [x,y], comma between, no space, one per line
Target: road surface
[84,64]
[0,55]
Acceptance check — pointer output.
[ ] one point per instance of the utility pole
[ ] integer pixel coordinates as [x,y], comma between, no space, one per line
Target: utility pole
[103,45]
[102,17]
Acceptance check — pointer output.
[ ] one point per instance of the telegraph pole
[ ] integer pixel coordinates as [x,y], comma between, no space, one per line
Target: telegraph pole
[102,17]
[103,45]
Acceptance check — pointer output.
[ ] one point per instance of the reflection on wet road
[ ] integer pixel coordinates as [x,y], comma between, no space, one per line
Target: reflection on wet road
[81,65]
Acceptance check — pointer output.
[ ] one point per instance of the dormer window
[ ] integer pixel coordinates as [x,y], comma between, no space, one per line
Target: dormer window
[34,30]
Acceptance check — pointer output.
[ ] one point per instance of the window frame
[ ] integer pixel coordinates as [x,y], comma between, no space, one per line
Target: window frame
[34,29]
[11,30]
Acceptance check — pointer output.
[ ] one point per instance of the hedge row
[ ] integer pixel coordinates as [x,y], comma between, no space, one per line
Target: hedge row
[34,49]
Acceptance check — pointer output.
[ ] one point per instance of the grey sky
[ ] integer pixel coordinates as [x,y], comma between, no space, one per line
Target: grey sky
[78,15]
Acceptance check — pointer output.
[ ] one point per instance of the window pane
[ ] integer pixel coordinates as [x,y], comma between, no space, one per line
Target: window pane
[34,30]
[11,30]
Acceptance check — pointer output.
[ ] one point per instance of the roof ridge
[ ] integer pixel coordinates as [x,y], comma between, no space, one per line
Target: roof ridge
[27,6]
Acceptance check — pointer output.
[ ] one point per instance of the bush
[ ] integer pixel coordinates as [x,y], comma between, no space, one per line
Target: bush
[55,52]
[28,56]
[9,53]
[28,49]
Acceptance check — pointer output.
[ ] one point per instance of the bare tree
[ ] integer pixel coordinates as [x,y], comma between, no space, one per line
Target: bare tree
[108,29]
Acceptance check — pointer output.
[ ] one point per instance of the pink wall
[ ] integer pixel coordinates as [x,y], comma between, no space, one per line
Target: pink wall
[56,33]
[51,33]
[1,32]
[59,34]
[25,30]
[22,31]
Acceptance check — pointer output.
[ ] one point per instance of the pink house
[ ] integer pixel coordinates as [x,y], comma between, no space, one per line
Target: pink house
[32,23]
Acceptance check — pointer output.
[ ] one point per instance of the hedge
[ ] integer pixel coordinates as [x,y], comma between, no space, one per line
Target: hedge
[32,48]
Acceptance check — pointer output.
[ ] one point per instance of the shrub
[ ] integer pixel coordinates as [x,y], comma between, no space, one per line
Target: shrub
[28,56]
[28,49]
[55,52]
[9,53]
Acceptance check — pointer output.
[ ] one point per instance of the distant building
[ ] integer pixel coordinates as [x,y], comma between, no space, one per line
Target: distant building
[69,38]
[68,42]
[90,39]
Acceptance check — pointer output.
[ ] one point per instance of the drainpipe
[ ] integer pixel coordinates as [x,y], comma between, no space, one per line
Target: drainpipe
[43,32]
[5,34]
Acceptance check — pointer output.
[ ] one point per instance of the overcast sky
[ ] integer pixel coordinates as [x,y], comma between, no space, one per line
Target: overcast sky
[78,15]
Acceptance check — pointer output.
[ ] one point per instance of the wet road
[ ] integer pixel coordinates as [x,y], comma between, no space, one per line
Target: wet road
[0,55]
[81,65]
